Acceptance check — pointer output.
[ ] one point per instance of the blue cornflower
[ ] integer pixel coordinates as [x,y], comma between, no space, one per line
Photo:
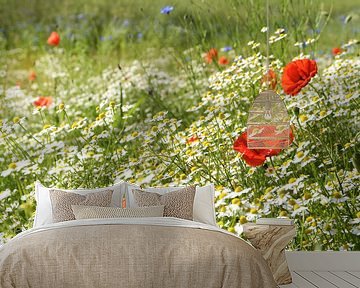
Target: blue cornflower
[166,10]
[226,49]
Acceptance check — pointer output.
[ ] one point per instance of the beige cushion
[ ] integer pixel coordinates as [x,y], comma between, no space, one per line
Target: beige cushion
[93,212]
[178,203]
[61,202]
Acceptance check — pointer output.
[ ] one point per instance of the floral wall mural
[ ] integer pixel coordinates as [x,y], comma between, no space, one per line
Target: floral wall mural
[72,116]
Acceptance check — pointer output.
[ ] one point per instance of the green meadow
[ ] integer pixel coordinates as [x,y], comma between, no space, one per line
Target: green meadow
[157,93]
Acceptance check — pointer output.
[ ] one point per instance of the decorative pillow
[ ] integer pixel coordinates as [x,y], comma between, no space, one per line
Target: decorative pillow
[43,214]
[93,212]
[61,202]
[177,204]
[203,210]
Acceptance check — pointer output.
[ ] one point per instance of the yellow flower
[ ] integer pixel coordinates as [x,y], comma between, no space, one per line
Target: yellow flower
[154,129]
[308,231]
[309,219]
[61,106]
[238,189]
[292,180]
[46,126]
[219,187]
[74,125]
[268,190]
[194,168]
[296,206]
[315,98]
[222,195]
[337,195]
[292,202]
[358,214]
[206,143]
[182,176]
[300,154]
[112,104]
[231,229]
[90,153]
[134,134]
[102,115]
[220,223]
[243,219]
[236,201]
[283,214]
[12,165]
[322,113]
[307,196]
[16,120]
[303,118]
[253,210]
[222,209]
[281,192]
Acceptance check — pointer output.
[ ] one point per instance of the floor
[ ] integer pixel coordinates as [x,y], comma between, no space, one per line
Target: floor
[324,279]
[324,269]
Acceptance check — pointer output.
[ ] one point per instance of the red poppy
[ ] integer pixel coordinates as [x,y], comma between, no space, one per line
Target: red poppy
[336,51]
[223,60]
[54,39]
[43,101]
[257,157]
[271,78]
[272,138]
[297,74]
[211,55]
[32,76]
[192,139]
[251,157]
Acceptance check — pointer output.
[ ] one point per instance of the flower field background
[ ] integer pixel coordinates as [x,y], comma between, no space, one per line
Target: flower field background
[158,93]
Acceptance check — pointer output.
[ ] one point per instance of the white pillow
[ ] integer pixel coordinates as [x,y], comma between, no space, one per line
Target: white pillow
[43,214]
[204,208]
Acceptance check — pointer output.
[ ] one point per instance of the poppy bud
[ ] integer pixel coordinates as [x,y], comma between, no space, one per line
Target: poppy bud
[296,111]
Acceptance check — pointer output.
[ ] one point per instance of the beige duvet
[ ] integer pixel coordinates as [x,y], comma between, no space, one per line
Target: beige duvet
[119,253]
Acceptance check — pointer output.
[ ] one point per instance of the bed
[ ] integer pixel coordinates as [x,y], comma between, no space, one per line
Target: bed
[131,253]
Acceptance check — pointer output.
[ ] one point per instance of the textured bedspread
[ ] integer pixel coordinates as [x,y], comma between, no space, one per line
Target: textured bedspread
[123,253]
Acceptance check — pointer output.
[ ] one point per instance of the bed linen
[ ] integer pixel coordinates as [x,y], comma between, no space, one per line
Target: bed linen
[152,252]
